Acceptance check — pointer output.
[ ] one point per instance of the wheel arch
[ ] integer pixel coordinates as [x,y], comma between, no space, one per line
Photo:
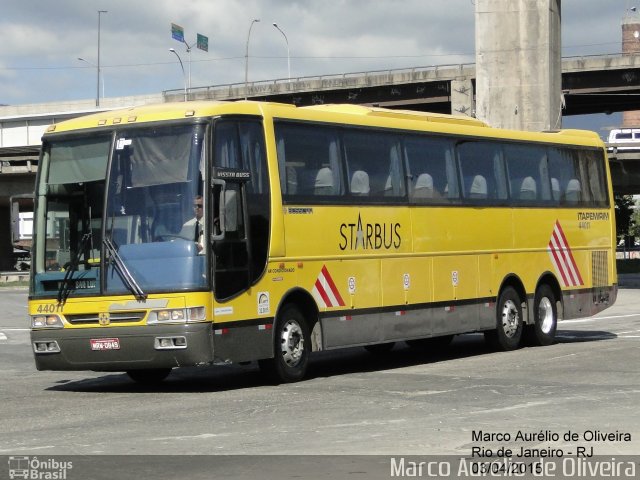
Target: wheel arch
[550,279]
[309,309]
[513,280]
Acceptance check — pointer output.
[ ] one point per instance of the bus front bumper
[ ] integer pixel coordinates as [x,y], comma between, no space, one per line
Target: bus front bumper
[123,348]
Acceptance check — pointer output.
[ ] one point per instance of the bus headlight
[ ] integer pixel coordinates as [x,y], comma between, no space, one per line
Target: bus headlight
[46,321]
[196,314]
[179,315]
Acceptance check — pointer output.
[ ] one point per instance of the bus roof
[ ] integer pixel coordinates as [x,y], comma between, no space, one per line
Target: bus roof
[397,118]
[398,114]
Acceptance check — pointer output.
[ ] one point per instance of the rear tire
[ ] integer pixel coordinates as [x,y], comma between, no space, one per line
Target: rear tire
[543,330]
[149,376]
[292,345]
[509,324]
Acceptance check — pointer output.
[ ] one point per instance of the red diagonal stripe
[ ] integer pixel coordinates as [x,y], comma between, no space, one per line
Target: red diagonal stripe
[558,263]
[565,259]
[323,294]
[573,262]
[332,285]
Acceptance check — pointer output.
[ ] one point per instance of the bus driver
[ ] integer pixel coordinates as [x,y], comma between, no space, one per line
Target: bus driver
[194,228]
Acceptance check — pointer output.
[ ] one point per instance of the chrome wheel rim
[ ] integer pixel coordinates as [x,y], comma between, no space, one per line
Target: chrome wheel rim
[545,315]
[510,318]
[292,343]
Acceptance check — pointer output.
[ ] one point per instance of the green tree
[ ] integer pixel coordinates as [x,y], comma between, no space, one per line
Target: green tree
[625,225]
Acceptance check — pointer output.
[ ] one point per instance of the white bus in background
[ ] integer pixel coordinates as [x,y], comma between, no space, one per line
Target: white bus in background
[625,136]
[21,230]
[25,226]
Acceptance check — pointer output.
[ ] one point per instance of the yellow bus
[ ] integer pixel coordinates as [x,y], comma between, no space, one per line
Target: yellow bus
[204,233]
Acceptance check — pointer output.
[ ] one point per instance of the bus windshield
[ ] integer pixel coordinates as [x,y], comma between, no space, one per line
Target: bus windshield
[151,238]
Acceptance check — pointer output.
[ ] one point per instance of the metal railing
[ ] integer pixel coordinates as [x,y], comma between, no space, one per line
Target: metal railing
[356,79]
[324,82]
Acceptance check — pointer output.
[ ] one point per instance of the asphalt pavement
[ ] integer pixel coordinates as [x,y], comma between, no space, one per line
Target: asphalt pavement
[406,403]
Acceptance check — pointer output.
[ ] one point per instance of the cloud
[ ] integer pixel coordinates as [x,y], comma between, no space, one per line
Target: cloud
[43,40]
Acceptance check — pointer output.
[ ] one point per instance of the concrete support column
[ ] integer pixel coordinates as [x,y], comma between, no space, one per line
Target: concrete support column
[631,46]
[462,97]
[518,64]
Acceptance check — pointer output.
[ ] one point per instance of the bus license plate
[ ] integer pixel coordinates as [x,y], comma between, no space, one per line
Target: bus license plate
[105,344]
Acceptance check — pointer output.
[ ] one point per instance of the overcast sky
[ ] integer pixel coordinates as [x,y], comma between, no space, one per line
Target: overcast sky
[42,40]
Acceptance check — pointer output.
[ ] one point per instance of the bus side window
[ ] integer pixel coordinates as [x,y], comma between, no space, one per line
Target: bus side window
[431,169]
[482,170]
[527,173]
[564,166]
[594,163]
[374,164]
[308,161]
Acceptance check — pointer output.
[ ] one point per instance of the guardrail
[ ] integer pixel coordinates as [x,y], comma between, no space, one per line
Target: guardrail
[322,82]
[354,79]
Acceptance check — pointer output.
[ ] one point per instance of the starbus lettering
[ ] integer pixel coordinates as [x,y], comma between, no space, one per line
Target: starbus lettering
[369,236]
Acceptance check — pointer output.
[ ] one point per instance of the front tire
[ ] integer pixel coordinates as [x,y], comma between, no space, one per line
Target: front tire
[543,330]
[292,345]
[509,322]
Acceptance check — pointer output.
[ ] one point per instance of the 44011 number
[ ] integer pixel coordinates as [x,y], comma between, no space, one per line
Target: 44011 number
[49,308]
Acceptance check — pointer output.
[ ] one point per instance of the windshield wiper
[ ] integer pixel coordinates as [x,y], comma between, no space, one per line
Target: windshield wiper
[65,286]
[123,271]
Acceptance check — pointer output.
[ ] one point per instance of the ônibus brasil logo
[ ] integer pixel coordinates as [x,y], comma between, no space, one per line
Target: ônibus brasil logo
[32,468]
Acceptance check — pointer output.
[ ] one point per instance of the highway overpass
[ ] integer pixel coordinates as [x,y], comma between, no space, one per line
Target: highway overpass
[590,84]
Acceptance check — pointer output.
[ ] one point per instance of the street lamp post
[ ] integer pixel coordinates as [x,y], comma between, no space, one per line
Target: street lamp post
[184,77]
[100,12]
[288,56]
[246,58]
[94,66]
[189,47]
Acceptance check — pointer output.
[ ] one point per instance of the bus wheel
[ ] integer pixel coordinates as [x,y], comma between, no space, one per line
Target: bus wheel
[149,376]
[380,348]
[509,325]
[291,348]
[543,330]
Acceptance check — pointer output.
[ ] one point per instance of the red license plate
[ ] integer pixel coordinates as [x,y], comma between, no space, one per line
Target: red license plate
[105,344]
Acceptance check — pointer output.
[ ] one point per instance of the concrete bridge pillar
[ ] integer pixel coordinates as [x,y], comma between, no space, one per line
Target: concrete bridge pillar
[518,64]
[631,46]
[462,97]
